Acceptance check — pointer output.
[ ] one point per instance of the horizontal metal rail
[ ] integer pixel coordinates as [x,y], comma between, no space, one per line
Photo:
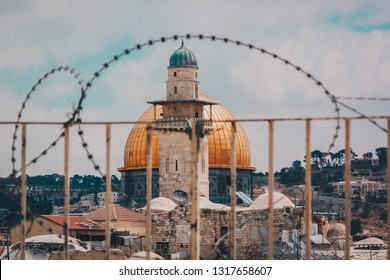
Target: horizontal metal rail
[215,121]
[195,218]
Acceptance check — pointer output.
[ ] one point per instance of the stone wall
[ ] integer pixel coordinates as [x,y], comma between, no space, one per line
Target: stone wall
[180,110]
[165,228]
[115,254]
[175,164]
[185,81]
[169,227]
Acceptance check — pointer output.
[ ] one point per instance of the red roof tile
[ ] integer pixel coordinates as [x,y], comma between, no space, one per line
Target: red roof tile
[117,213]
[75,222]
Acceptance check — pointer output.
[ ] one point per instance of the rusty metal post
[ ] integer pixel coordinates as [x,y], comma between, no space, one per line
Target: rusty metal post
[23,196]
[195,215]
[66,193]
[308,196]
[148,191]
[233,189]
[271,182]
[388,188]
[347,178]
[108,192]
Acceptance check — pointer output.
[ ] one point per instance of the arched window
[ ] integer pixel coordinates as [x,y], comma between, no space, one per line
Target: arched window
[196,92]
[175,90]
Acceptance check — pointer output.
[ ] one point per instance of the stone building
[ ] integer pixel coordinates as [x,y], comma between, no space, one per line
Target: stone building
[79,227]
[360,186]
[171,162]
[170,146]
[337,236]
[121,219]
[171,228]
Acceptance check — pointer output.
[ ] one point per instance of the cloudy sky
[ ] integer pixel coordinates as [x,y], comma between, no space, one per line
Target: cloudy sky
[344,44]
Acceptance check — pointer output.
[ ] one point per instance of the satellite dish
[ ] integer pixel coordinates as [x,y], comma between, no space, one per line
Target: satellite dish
[180,196]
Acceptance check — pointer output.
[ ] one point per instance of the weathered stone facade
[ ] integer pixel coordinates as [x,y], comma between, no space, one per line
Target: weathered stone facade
[173,230]
[175,164]
[185,81]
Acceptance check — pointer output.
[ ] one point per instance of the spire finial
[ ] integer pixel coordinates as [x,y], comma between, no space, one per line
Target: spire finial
[182,42]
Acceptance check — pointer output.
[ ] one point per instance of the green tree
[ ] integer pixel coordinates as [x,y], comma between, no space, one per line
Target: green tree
[115,180]
[285,176]
[356,226]
[317,159]
[381,153]
[338,158]
[328,188]
[383,216]
[368,155]
[298,172]
[76,180]
[292,175]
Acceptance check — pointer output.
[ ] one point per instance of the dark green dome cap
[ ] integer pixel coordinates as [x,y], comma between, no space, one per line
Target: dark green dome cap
[183,57]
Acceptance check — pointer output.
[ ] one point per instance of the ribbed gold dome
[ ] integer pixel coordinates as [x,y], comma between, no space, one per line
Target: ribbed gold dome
[219,140]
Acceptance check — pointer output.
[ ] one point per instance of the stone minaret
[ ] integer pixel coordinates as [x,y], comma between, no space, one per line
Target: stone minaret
[180,107]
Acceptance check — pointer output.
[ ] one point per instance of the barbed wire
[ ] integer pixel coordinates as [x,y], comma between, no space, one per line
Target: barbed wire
[363,116]
[76,113]
[332,97]
[66,69]
[363,98]
[75,116]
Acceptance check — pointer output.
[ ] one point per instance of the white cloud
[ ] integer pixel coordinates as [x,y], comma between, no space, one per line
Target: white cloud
[40,35]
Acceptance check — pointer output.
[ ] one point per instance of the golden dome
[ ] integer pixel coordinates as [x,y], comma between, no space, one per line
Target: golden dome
[219,140]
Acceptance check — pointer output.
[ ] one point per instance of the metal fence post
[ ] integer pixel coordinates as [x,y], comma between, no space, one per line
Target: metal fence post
[108,192]
[23,196]
[66,193]
[308,191]
[347,178]
[233,189]
[388,188]
[271,182]
[195,215]
[148,191]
